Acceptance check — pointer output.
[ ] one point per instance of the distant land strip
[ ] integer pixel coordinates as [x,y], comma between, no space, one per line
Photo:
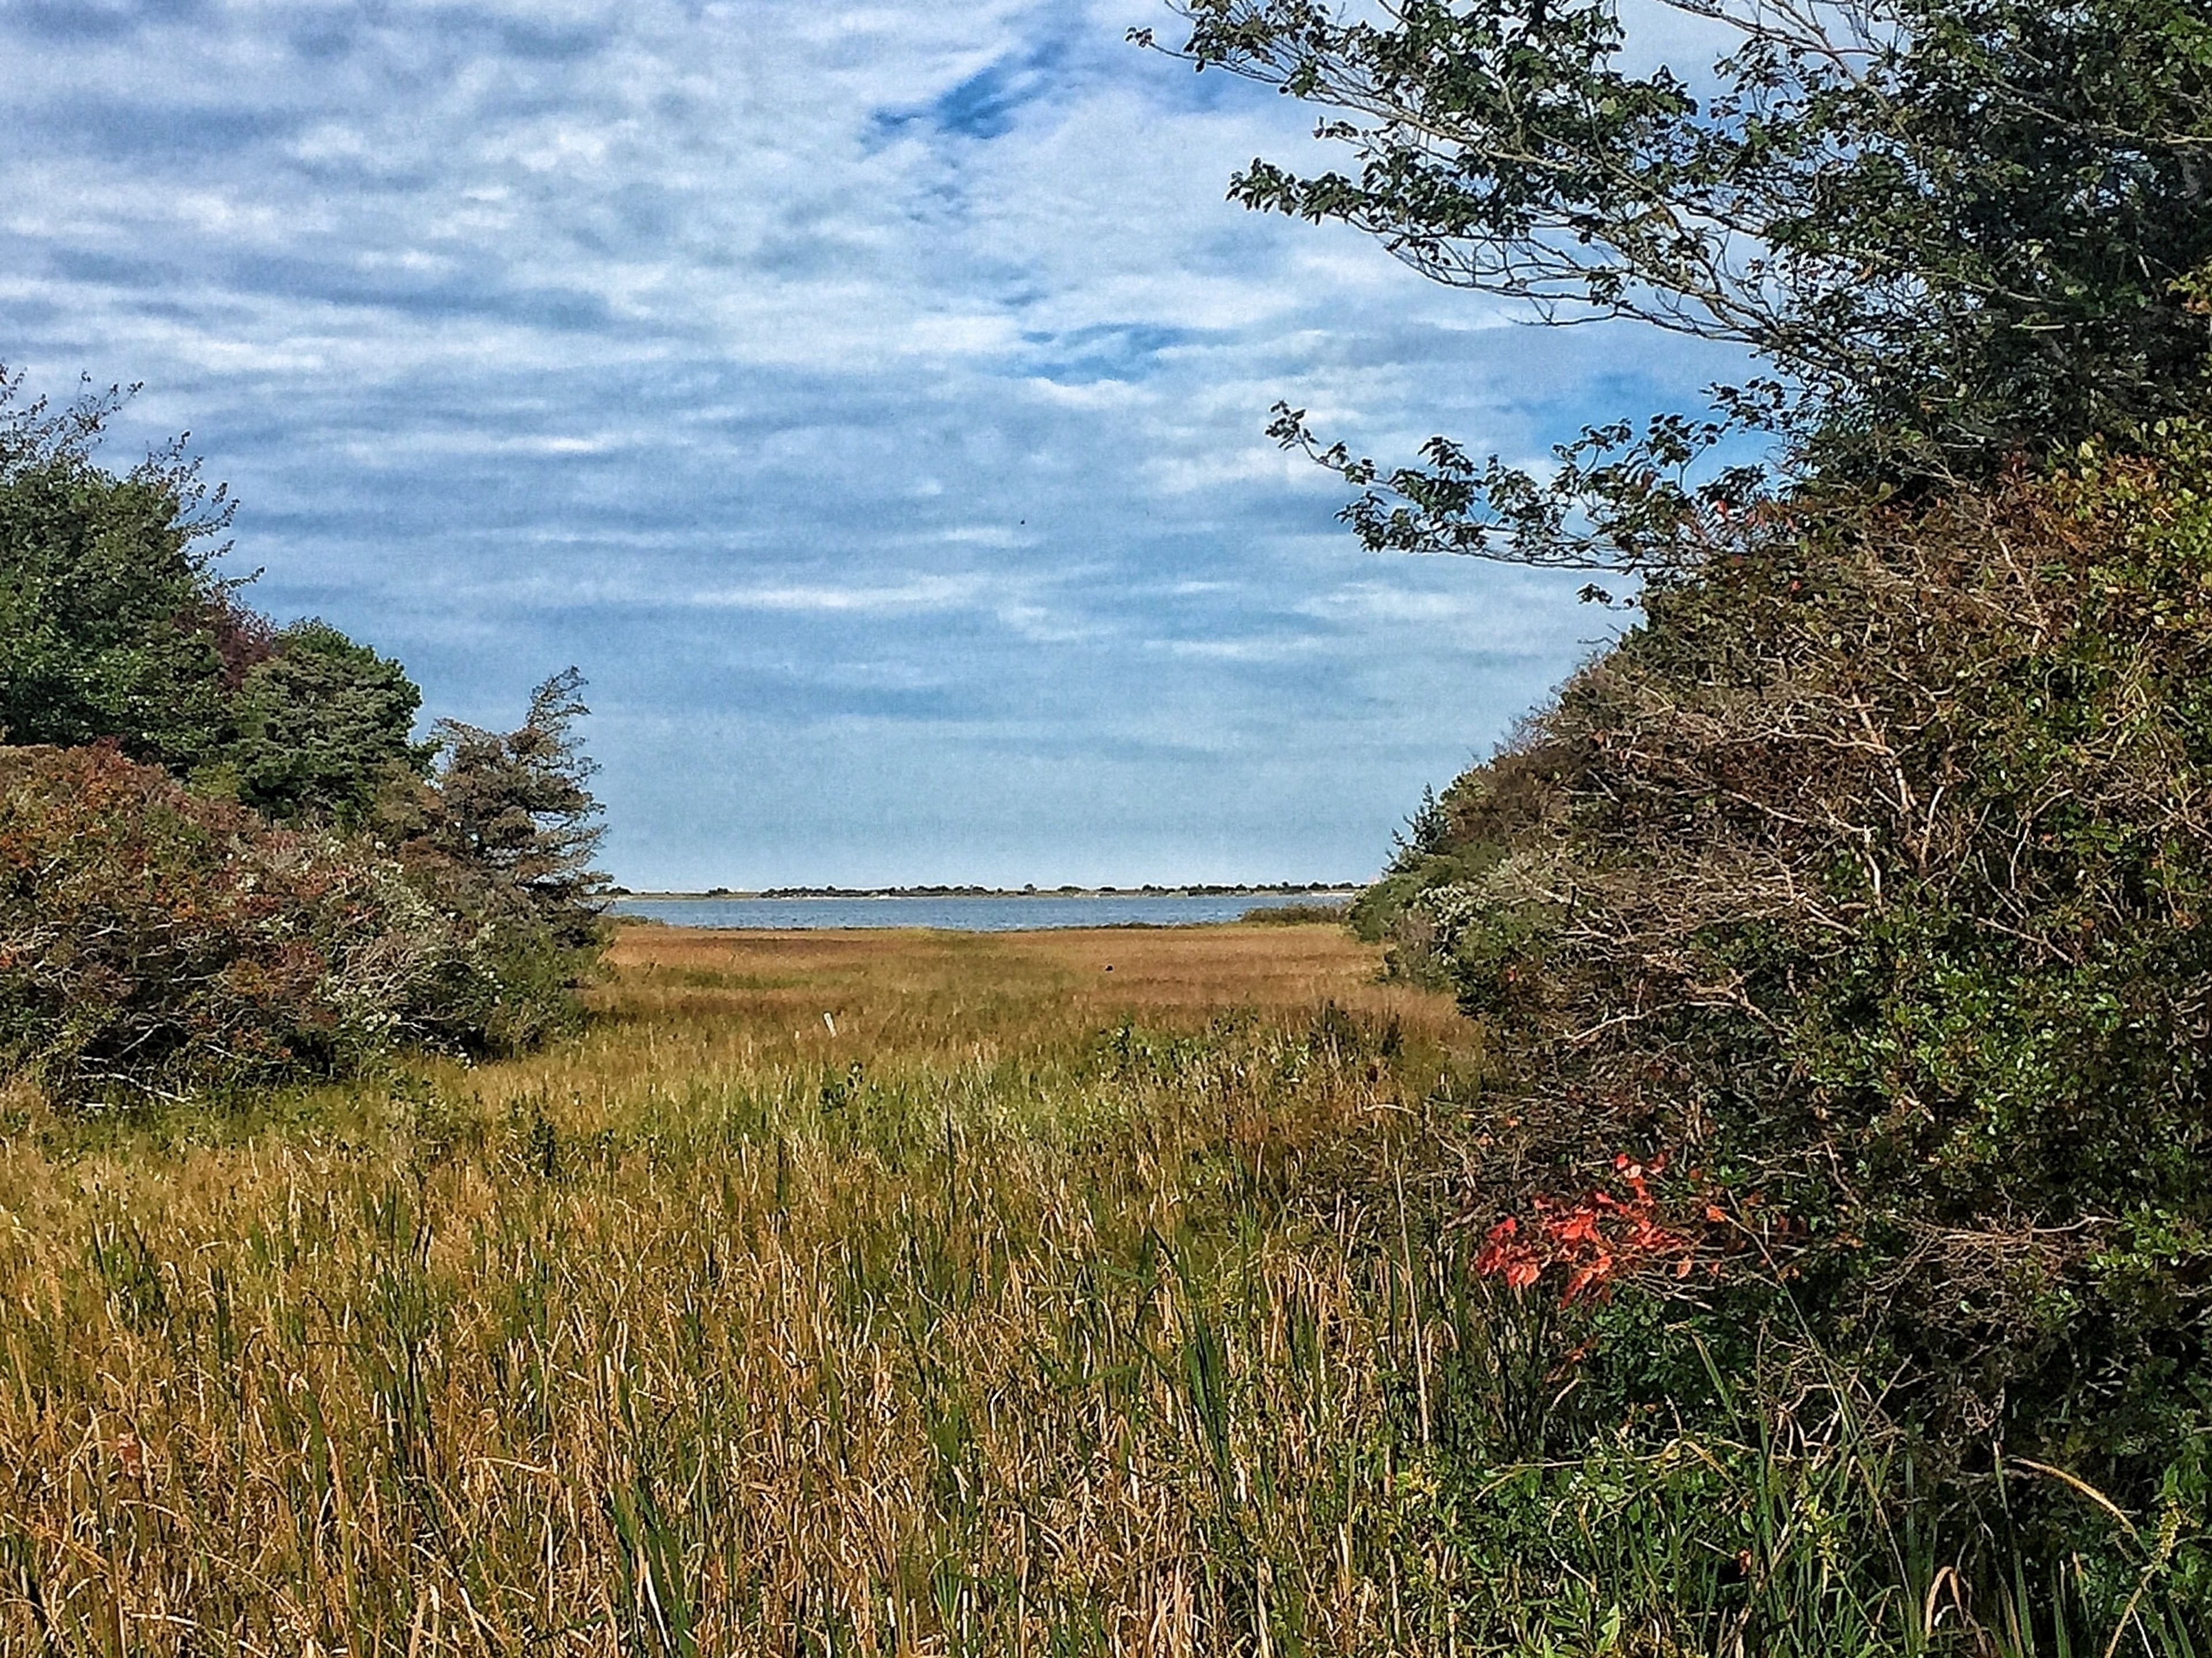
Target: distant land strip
[1332,888]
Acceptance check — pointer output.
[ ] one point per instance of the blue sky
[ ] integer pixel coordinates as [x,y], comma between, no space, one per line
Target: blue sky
[869,398]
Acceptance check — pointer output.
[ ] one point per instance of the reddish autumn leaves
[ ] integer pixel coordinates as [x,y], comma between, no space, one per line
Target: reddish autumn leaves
[1599,1238]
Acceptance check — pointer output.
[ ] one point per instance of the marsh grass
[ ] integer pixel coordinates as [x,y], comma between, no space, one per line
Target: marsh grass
[885,1294]
[1316,915]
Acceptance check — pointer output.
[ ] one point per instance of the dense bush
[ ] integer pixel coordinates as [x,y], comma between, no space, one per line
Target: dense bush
[151,941]
[154,942]
[501,835]
[1839,931]
[1452,842]
[1872,890]
[161,931]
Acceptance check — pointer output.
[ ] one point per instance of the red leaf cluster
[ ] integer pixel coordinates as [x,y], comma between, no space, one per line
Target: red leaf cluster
[1593,1242]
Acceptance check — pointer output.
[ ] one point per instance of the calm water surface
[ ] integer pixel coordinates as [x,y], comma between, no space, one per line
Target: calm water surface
[961,914]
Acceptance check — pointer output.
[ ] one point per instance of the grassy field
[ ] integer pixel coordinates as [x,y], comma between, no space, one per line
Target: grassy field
[1081,1292]
[831,1293]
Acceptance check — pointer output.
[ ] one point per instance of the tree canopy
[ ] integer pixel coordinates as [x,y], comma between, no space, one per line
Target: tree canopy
[321,722]
[116,626]
[1954,230]
[111,618]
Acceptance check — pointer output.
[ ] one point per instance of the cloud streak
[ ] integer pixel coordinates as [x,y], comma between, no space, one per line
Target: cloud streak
[868,397]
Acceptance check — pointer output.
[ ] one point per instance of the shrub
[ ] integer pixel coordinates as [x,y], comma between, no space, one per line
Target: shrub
[153,942]
[1293,914]
[1456,839]
[1874,891]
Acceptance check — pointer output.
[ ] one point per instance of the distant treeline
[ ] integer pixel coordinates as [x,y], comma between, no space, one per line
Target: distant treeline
[225,856]
[1200,891]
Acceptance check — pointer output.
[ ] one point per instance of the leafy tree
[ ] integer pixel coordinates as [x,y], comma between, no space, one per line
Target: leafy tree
[112,621]
[1957,230]
[320,723]
[114,626]
[518,807]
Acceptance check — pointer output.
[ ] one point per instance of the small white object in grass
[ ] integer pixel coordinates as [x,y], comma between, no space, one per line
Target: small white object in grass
[831,1022]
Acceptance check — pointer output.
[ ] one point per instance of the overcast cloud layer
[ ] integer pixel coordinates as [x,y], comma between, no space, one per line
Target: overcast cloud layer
[869,398]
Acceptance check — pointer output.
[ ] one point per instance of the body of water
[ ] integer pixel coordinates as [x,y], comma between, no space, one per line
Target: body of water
[964,914]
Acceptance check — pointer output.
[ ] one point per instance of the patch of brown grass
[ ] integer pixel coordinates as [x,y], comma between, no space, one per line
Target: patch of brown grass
[1035,986]
[1033,1309]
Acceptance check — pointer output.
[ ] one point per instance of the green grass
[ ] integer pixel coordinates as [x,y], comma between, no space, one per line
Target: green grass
[1296,915]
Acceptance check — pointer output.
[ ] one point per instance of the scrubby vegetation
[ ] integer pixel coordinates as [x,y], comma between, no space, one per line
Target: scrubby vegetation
[1293,914]
[225,859]
[1839,932]
[153,941]
[1863,883]
[1798,1242]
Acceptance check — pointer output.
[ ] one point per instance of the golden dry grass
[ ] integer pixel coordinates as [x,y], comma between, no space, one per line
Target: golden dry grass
[1028,989]
[1033,1309]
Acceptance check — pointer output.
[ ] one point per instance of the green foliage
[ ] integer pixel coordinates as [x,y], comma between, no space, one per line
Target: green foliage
[1293,915]
[517,808]
[1867,877]
[181,940]
[500,836]
[114,626]
[1873,888]
[1957,231]
[1455,839]
[320,724]
[110,618]
[1960,228]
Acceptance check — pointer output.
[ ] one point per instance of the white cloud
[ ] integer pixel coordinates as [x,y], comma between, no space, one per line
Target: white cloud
[895,369]
[940,594]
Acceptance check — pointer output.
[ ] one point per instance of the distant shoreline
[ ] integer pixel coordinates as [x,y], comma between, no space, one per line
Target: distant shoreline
[1280,889]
